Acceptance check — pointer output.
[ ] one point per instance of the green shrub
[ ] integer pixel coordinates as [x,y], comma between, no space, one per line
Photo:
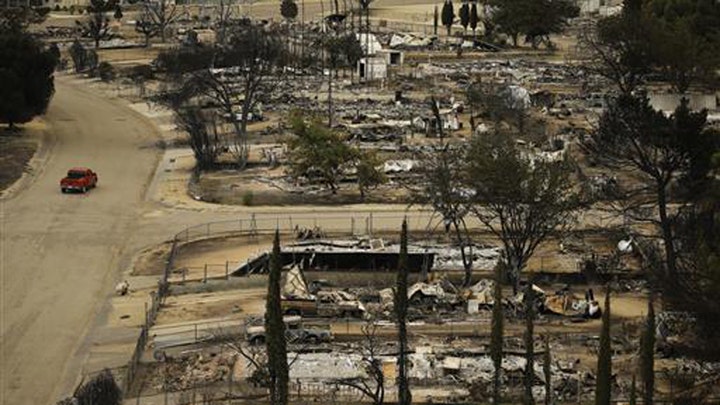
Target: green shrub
[106,71]
[247,198]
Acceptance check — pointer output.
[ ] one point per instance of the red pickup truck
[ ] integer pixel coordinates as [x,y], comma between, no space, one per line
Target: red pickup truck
[79,179]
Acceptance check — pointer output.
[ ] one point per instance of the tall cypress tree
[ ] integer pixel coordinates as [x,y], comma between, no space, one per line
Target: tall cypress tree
[647,355]
[633,392]
[435,20]
[529,376]
[275,331]
[448,15]
[464,16]
[604,367]
[496,337]
[401,308]
[474,18]
[547,371]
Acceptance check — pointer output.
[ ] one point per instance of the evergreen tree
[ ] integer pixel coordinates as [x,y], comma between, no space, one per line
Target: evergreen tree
[401,308]
[633,392]
[547,371]
[288,9]
[118,13]
[496,338]
[275,331]
[474,18]
[529,376]
[448,15]
[26,76]
[604,367]
[647,356]
[465,16]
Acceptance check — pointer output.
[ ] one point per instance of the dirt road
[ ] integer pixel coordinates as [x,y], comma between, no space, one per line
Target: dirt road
[59,253]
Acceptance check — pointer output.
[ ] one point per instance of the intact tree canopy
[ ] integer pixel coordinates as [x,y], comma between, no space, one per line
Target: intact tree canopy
[26,77]
[519,200]
[288,9]
[537,19]
[662,150]
[317,153]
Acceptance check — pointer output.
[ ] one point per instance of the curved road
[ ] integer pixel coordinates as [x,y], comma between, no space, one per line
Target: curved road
[59,254]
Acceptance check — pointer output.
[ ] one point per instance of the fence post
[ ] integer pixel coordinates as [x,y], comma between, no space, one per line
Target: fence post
[371,224]
[227,270]
[352,226]
[195,327]
[205,274]
[291,225]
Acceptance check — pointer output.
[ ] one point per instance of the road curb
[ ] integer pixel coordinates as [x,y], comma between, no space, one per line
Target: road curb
[34,167]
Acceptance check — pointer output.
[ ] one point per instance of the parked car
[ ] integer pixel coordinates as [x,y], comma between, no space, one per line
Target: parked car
[295,332]
[79,179]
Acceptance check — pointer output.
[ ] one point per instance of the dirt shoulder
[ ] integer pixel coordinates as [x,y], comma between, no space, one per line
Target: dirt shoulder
[22,154]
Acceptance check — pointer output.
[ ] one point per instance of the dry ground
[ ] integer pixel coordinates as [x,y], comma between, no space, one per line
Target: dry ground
[16,151]
[60,252]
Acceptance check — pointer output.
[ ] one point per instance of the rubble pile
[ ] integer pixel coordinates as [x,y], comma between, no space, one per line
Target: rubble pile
[193,370]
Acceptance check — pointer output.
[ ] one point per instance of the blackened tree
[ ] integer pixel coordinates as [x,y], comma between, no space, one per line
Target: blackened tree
[26,74]
[161,14]
[604,366]
[97,24]
[442,188]
[202,131]
[275,331]
[647,356]
[496,337]
[547,372]
[371,348]
[245,71]
[145,25]
[401,310]
[529,374]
